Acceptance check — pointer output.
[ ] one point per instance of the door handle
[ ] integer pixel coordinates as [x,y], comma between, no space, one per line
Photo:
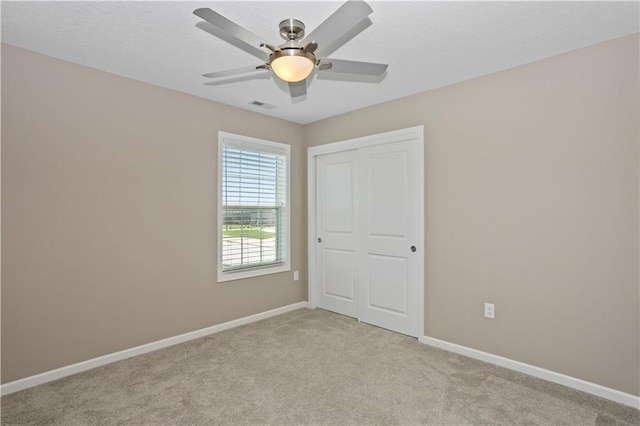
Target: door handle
[319,239]
[413,249]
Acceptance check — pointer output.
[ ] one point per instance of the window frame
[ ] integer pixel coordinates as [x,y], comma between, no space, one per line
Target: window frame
[246,142]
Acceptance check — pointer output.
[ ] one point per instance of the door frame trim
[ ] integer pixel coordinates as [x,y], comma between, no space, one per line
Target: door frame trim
[410,133]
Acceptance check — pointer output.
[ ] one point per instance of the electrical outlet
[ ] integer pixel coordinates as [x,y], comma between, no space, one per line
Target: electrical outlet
[489,310]
[296,275]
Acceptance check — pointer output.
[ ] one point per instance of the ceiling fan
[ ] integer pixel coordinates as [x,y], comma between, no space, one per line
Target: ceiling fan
[295,59]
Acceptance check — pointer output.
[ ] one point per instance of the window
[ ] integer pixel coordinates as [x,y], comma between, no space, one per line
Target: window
[253,213]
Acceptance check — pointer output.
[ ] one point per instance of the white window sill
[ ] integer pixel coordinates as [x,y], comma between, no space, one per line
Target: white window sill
[250,273]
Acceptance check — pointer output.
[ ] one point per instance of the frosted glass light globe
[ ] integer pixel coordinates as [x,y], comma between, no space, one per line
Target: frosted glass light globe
[292,67]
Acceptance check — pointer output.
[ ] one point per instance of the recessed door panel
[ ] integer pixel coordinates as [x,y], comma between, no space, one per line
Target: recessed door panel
[339,270]
[339,197]
[388,284]
[388,198]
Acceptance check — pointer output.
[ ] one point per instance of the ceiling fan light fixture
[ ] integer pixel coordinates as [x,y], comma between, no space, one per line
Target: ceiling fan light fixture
[292,65]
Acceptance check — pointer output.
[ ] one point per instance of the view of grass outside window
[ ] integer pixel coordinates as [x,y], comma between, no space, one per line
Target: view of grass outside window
[249,231]
[253,200]
[249,237]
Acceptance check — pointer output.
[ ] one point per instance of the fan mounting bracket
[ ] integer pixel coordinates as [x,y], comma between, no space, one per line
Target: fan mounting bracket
[291,29]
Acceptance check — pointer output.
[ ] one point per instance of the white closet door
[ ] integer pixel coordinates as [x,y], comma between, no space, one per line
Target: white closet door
[389,241]
[369,231]
[336,227]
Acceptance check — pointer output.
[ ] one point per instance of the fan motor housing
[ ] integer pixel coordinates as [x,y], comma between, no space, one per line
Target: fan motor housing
[291,29]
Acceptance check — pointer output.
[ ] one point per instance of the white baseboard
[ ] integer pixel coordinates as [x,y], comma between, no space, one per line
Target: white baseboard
[551,376]
[59,373]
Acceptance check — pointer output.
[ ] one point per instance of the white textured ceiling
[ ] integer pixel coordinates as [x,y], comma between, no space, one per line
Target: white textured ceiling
[426,44]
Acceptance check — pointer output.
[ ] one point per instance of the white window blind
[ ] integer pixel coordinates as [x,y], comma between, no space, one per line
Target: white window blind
[254,206]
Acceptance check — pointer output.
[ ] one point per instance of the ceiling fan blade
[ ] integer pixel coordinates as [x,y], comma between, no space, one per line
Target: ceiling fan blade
[339,23]
[298,89]
[234,71]
[232,29]
[351,67]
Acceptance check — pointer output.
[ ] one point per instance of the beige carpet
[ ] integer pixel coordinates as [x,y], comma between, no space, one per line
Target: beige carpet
[307,367]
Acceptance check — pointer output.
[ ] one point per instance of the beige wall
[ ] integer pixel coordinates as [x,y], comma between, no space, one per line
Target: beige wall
[531,181]
[108,199]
